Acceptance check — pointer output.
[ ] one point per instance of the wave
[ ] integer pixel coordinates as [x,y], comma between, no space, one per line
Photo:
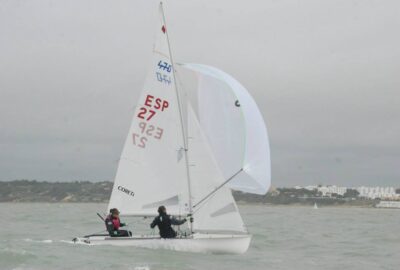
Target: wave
[46,241]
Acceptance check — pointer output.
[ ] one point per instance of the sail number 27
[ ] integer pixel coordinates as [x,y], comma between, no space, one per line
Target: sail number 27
[146,131]
[151,106]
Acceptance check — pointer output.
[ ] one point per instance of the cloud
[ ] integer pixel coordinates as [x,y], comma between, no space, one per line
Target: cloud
[325,75]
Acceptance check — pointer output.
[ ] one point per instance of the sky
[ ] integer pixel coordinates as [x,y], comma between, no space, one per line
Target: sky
[325,75]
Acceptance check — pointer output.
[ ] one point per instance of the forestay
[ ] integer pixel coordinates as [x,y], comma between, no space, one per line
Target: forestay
[151,170]
[235,129]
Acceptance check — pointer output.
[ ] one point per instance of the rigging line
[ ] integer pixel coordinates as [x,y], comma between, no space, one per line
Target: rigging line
[218,188]
[181,117]
[201,206]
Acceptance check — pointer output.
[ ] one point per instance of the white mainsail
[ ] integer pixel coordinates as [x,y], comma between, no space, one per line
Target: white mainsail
[234,128]
[151,170]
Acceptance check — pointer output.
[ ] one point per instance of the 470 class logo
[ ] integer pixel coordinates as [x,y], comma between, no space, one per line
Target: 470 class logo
[163,73]
[164,66]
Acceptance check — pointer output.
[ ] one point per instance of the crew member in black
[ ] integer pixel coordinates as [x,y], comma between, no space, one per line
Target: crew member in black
[113,224]
[164,222]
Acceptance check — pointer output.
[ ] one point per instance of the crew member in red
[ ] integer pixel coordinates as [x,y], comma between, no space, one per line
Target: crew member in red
[113,224]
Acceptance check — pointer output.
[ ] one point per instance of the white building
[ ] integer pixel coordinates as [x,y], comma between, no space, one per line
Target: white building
[329,190]
[378,192]
[366,192]
[311,188]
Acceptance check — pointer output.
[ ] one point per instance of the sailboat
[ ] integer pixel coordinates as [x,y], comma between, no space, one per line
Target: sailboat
[190,160]
[315,206]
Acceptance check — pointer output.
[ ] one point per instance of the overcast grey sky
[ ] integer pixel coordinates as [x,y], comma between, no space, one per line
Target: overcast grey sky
[325,74]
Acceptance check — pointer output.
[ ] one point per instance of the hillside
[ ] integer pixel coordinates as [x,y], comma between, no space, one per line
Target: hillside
[85,191]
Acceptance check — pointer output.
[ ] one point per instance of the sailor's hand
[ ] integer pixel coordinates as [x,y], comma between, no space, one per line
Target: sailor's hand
[184,220]
[190,216]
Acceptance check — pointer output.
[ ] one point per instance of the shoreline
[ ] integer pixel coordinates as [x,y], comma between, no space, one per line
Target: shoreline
[85,192]
[240,203]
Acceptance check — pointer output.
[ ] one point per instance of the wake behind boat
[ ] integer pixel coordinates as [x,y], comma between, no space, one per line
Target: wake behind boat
[190,160]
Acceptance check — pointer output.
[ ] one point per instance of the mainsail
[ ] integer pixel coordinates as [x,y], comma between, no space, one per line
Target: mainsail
[152,170]
[235,129]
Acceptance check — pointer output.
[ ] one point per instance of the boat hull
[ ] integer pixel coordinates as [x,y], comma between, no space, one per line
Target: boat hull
[199,243]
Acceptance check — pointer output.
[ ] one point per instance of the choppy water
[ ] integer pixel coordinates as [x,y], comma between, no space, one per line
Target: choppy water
[35,236]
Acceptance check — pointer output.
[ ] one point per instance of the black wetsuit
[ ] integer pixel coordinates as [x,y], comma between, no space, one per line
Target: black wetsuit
[164,223]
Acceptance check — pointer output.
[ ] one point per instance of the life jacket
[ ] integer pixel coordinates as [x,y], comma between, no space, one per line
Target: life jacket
[112,223]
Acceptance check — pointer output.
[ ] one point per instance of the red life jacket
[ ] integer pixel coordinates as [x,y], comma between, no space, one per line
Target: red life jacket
[112,223]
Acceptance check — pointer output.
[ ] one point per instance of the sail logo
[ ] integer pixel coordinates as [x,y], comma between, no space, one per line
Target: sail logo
[126,191]
[164,66]
[163,78]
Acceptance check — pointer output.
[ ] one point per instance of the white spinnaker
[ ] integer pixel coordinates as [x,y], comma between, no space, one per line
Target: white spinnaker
[219,212]
[235,129]
[152,170]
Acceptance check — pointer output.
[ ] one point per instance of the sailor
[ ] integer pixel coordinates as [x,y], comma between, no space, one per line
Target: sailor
[164,222]
[113,224]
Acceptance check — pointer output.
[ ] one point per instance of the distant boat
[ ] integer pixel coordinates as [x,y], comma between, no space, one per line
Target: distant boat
[315,206]
[189,161]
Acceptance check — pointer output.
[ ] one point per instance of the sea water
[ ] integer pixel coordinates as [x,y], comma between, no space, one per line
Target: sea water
[38,236]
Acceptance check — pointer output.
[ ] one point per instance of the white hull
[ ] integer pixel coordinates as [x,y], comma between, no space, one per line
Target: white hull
[200,243]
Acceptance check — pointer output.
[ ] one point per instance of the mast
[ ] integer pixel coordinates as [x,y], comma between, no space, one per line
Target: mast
[181,121]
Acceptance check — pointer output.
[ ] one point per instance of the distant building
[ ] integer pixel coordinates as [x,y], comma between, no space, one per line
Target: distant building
[311,188]
[388,193]
[328,191]
[378,192]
